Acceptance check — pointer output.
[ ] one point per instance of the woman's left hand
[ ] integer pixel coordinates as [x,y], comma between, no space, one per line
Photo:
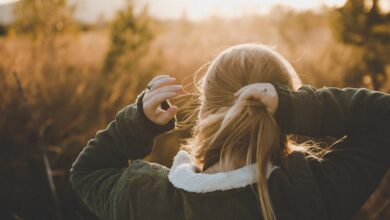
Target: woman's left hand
[161,88]
[264,92]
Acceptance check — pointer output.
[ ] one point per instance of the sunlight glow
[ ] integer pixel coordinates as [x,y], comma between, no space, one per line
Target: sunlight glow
[201,9]
[3,2]
[195,10]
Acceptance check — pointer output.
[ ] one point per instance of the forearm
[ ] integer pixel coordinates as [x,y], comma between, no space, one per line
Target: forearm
[332,111]
[130,136]
[96,174]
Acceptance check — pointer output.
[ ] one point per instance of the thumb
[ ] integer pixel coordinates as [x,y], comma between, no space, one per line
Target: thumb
[168,114]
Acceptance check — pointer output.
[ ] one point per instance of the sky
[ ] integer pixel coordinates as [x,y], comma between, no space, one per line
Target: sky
[195,10]
[7,1]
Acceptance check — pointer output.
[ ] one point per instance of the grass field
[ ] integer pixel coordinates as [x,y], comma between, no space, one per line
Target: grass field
[71,97]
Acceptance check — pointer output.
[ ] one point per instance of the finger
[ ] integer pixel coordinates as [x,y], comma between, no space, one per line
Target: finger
[238,93]
[169,88]
[158,77]
[165,116]
[163,82]
[161,97]
[247,94]
[254,94]
[254,86]
[246,88]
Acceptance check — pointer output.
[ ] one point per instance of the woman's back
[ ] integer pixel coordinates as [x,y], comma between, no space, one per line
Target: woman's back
[249,102]
[305,188]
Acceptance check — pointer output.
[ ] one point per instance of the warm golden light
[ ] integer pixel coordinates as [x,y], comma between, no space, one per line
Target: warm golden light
[195,9]
[200,9]
[3,2]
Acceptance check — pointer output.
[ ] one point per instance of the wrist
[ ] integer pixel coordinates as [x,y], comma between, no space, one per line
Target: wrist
[284,106]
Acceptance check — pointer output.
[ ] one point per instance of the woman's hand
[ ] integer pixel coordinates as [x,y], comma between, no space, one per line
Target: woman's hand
[264,92]
[161,88]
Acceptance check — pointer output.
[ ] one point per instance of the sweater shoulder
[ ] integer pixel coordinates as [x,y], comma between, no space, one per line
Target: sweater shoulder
[140,166]
[146,190]
[144,176]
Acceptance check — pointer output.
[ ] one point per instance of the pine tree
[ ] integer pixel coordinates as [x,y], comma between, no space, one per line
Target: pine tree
[130,36]
[129,63]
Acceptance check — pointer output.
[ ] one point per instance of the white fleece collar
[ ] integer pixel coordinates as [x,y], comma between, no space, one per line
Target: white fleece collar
[183,175]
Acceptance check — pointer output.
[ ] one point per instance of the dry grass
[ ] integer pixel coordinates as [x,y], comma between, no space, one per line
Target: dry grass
[70,97]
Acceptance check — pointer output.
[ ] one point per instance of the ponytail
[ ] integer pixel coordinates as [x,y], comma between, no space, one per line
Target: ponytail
[239,131]
[244,132]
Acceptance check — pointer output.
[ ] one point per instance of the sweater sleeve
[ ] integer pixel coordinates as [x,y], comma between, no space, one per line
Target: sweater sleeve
[352,170]
[96,172]
[332,111]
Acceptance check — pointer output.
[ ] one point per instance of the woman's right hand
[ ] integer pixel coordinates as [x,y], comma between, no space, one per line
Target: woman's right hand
[162,88]
[264,92]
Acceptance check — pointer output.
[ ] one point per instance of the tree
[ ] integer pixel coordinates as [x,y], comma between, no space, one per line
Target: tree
[42,21]
[130,39]
[361,23]
[40,17]
[128,64]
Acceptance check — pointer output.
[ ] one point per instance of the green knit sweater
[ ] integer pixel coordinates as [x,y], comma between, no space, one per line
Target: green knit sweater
[305,188]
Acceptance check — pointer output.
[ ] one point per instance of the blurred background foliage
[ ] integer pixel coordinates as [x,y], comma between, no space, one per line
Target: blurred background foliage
[74,77]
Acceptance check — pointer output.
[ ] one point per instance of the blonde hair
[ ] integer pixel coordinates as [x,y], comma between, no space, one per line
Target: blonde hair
[228,130]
